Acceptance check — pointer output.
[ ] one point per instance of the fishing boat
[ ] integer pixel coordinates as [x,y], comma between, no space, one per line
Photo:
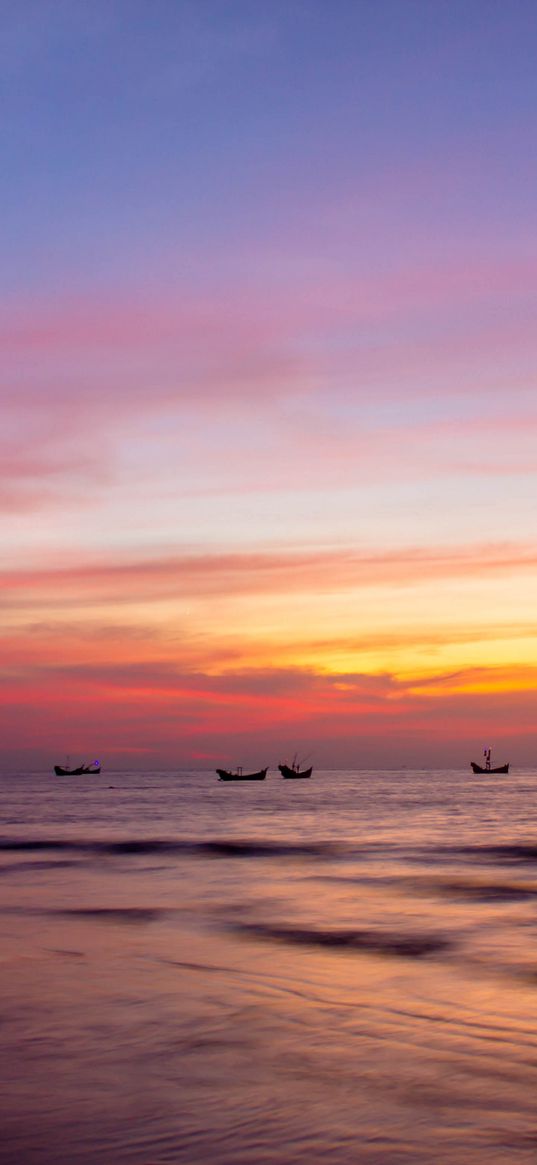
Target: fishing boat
[292,772]
[92,769]
[487,767]
[238,775]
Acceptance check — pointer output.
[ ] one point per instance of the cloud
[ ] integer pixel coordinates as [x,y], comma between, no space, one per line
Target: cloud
[165,716]
[303,373]
[276,572]
[275,335]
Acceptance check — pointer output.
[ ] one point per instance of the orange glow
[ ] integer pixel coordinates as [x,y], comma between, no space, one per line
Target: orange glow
[181,652]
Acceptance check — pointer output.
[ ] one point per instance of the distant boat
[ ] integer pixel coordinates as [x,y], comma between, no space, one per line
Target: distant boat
[82,770]
[292,772]
[225,775]
[486,768]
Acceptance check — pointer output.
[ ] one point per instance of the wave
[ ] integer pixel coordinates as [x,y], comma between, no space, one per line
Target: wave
[474,890]
[399,944]
[510,853]
[133,915]
[479,891]
[19,867]
[217,847]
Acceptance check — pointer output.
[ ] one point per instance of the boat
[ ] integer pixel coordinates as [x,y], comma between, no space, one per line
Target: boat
[479,768]
[486,768]
[226,775]
[82,770]
[292,772]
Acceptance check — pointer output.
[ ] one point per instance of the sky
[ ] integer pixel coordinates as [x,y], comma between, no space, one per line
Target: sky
[268,382]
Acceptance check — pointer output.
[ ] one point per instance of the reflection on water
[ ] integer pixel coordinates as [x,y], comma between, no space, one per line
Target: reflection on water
[341,971]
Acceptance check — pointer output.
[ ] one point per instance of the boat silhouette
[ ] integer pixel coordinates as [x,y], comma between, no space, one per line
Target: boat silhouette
[238,775]
[486,768]
[292,772]
[92,769]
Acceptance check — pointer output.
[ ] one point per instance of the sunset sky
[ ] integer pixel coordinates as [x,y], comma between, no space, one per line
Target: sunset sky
[269,351]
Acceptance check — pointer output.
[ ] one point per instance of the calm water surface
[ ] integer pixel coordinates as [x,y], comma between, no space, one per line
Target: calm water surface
[338,970]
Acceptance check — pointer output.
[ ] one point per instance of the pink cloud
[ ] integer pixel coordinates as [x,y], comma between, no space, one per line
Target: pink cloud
[264,330]
[167,718]
[82,375]
[271,572]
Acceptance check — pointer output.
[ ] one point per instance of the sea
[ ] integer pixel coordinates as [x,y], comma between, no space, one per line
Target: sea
[341,969]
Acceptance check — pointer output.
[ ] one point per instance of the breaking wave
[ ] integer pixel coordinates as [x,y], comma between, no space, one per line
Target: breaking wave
[217,847]
[397,944]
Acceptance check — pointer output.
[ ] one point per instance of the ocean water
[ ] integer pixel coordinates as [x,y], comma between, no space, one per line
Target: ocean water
[284,973]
